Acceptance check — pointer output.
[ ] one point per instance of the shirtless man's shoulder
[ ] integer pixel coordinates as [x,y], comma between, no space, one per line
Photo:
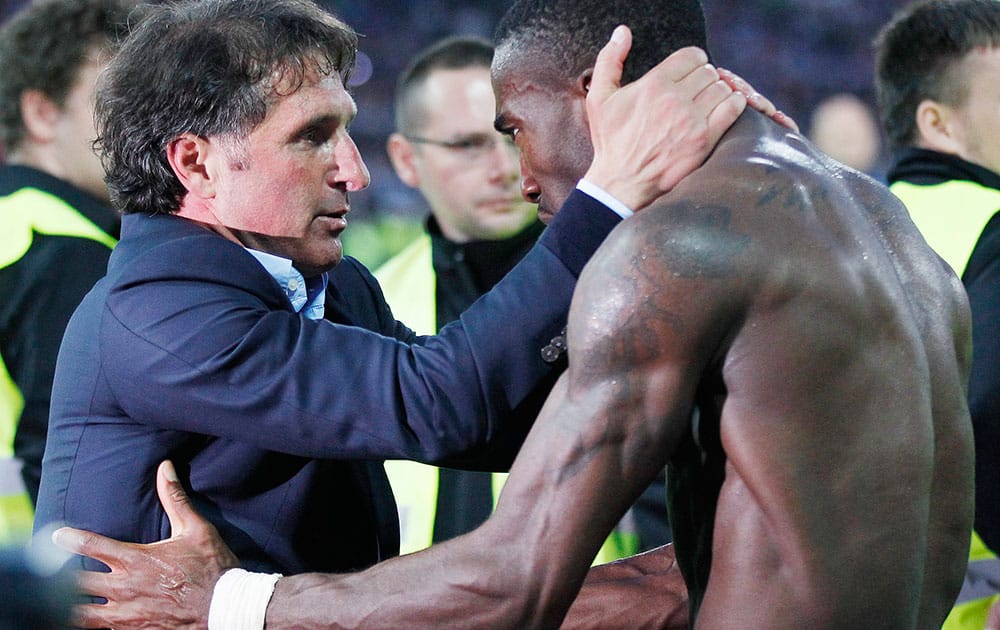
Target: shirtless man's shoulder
[839,342]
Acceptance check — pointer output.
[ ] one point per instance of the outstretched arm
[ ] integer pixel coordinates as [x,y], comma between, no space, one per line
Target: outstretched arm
[641,330]
[187,565]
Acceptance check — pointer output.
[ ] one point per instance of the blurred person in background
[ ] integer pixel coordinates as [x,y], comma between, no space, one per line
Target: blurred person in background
[846,129]
[479,228]
[938,82]
[56,225]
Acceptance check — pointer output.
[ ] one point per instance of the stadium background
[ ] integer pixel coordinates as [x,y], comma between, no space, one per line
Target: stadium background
[796,52]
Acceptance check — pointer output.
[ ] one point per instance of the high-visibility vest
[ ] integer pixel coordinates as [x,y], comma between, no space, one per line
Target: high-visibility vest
[23,214]
[980,589]
[951,217]
[409,285]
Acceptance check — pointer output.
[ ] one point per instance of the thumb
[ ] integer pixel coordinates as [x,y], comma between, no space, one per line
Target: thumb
[174,500]
[607,77]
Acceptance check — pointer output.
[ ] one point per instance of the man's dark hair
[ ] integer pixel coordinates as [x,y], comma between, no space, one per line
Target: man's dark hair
[570,33]
[917,55]
[209,68]
[451,53]
[44,46]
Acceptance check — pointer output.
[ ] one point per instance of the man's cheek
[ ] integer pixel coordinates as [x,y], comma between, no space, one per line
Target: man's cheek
[267,214]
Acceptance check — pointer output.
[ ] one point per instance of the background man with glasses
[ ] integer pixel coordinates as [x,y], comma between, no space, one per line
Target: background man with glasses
[479,227]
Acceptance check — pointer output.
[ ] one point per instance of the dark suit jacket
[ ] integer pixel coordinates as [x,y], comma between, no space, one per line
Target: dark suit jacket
[189,350]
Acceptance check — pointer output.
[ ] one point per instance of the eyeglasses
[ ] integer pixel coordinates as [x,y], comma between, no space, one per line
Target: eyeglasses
[473,146]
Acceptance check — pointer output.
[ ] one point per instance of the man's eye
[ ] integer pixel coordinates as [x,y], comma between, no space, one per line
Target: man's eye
[314,136]
[473,143]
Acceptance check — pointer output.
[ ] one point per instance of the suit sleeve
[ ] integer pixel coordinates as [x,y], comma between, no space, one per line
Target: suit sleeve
[198,356]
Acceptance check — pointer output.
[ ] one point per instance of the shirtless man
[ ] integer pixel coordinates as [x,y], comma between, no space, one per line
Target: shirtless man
[774,328]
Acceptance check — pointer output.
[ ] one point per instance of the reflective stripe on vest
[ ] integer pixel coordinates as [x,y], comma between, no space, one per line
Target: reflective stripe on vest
[23,214]
[982,579]
[951,216]
[979,589]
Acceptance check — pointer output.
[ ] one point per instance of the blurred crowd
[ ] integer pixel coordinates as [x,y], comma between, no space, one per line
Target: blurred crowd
[797,53]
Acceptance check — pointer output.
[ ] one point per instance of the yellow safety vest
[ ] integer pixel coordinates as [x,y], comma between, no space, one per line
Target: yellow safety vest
[409,284]
[23,214]
[951,217]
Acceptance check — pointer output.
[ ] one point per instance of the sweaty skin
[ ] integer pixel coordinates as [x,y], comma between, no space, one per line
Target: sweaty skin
[800,312]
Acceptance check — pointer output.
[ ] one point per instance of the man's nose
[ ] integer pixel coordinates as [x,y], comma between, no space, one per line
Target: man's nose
[351,168]
[529,186]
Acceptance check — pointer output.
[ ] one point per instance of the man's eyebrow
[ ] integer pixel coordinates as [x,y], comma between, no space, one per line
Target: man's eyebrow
[323,120]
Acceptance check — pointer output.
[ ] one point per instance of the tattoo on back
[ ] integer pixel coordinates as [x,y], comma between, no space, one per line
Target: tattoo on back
[698,242]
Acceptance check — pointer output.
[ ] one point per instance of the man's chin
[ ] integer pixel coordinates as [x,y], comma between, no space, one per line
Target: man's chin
[545,215]
[319,266]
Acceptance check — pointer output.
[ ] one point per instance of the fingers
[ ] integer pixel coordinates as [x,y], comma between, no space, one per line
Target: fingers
[92,545]
[711,94]
[739,84]
[716,98]
[681,64]
[607,75]
[701,78]
[724,115]
[174,500]
[97,583]
[784,119]
[757,100]
[90,616]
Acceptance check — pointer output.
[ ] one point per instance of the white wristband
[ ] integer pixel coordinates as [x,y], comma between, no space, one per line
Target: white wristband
[604,197]
[240,600]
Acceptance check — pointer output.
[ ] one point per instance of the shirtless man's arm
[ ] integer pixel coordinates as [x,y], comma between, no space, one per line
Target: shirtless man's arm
[606,430]
[638,342]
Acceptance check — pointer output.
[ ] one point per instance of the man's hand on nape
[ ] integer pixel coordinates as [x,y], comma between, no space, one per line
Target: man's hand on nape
[167,584]
[757,100]
[653,132]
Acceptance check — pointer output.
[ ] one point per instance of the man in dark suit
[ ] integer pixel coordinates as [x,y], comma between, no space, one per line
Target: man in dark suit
[231,336]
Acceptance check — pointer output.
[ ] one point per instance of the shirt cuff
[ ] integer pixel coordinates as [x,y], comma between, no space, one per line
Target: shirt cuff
[604,197]
[240,599]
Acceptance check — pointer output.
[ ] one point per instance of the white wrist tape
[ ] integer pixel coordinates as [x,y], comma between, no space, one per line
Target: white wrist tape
[240,600]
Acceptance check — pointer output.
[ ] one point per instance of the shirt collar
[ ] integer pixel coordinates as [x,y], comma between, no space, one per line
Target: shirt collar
[305,295]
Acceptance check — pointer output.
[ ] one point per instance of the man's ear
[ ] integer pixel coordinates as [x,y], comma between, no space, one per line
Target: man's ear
[189,157]
[40,115]
[583,81]
[939,127]
[401,154]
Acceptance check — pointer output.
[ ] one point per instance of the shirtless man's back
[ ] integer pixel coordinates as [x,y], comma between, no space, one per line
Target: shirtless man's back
[776,328]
